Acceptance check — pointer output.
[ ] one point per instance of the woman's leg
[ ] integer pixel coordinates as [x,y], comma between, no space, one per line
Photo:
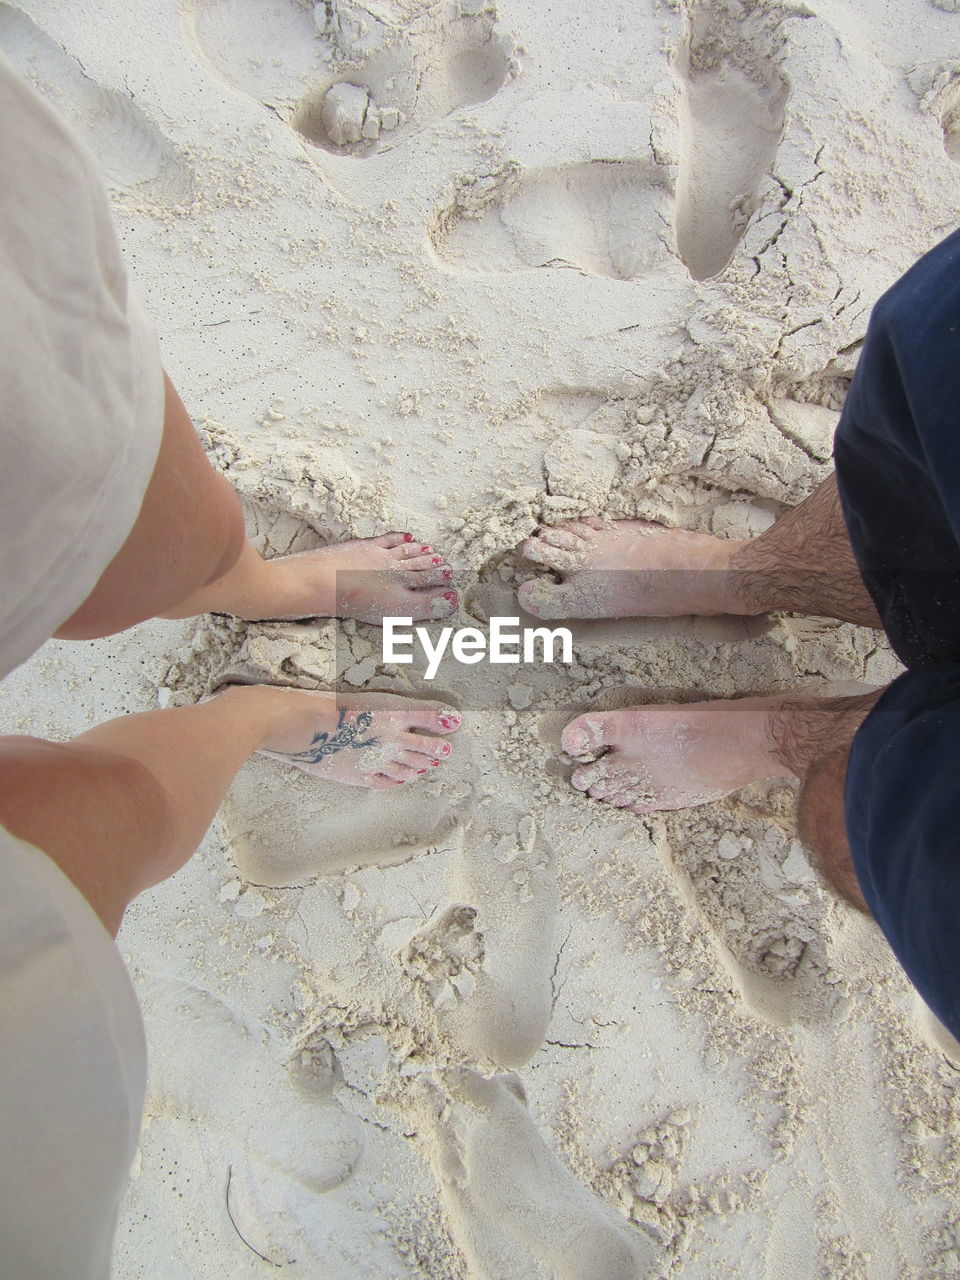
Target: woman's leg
[188,554]
[188,534]
[123,806]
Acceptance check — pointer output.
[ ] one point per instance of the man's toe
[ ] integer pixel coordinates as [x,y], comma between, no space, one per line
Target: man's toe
[562,538]
[542,552]
[588,776]
[585,736]
[543,598]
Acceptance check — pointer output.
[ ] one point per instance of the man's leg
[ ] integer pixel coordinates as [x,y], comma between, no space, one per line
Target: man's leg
[803,564]
[878,803]
[632,568]
[651,758]
[813,738]
[124,805]
[188,553]
[669,757]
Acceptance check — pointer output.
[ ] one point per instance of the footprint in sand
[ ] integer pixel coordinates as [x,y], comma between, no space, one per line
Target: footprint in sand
[353,89]
[601,217]
[514,1209]
[253,1102]
[760,899]
[948,109]
[268,1136]
[130,149]
[282,829]
[485,968]
[732,112]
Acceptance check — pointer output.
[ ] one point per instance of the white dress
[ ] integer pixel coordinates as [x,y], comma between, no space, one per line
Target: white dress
[81,418]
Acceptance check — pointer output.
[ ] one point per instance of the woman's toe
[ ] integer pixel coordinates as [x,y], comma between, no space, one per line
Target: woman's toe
[414,760]
[432,717]
[380,782]
[421,744]
[419,579]
[412,563]
[412,550]
[441,605]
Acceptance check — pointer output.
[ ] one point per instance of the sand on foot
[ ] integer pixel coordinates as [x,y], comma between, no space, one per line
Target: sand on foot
[672,756]
[375,740]
[628,569]
[393,575]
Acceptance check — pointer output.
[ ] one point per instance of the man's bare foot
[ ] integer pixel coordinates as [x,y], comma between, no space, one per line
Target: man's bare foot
[628,569]
[373,740]
[675,755]
[394,575]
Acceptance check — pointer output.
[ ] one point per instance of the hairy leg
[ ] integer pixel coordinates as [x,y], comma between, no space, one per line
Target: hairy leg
[822,828]
[188,554]
[633,568]
[123,806]
[813,740]
[804,564]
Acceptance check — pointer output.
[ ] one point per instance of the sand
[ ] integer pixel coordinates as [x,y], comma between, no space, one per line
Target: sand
[539,261]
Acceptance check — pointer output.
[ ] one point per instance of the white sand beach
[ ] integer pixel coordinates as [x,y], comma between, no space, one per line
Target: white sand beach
[538,261]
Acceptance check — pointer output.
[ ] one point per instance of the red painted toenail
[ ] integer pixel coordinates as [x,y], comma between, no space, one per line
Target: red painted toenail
[408,537]
[437,560]
[452,597]
[448,574]
[435,764]
[425,547]
[450,722]
[421,771]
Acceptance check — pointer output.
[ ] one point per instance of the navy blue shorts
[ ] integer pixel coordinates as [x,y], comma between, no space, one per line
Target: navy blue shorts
[897,456]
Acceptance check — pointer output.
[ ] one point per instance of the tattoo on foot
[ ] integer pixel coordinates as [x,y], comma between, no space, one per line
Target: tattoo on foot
[347,734]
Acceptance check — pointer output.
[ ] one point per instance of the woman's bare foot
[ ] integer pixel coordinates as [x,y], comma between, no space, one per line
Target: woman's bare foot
[628,569]
[674,756]
[367,579]
[373,740]
[394,575]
